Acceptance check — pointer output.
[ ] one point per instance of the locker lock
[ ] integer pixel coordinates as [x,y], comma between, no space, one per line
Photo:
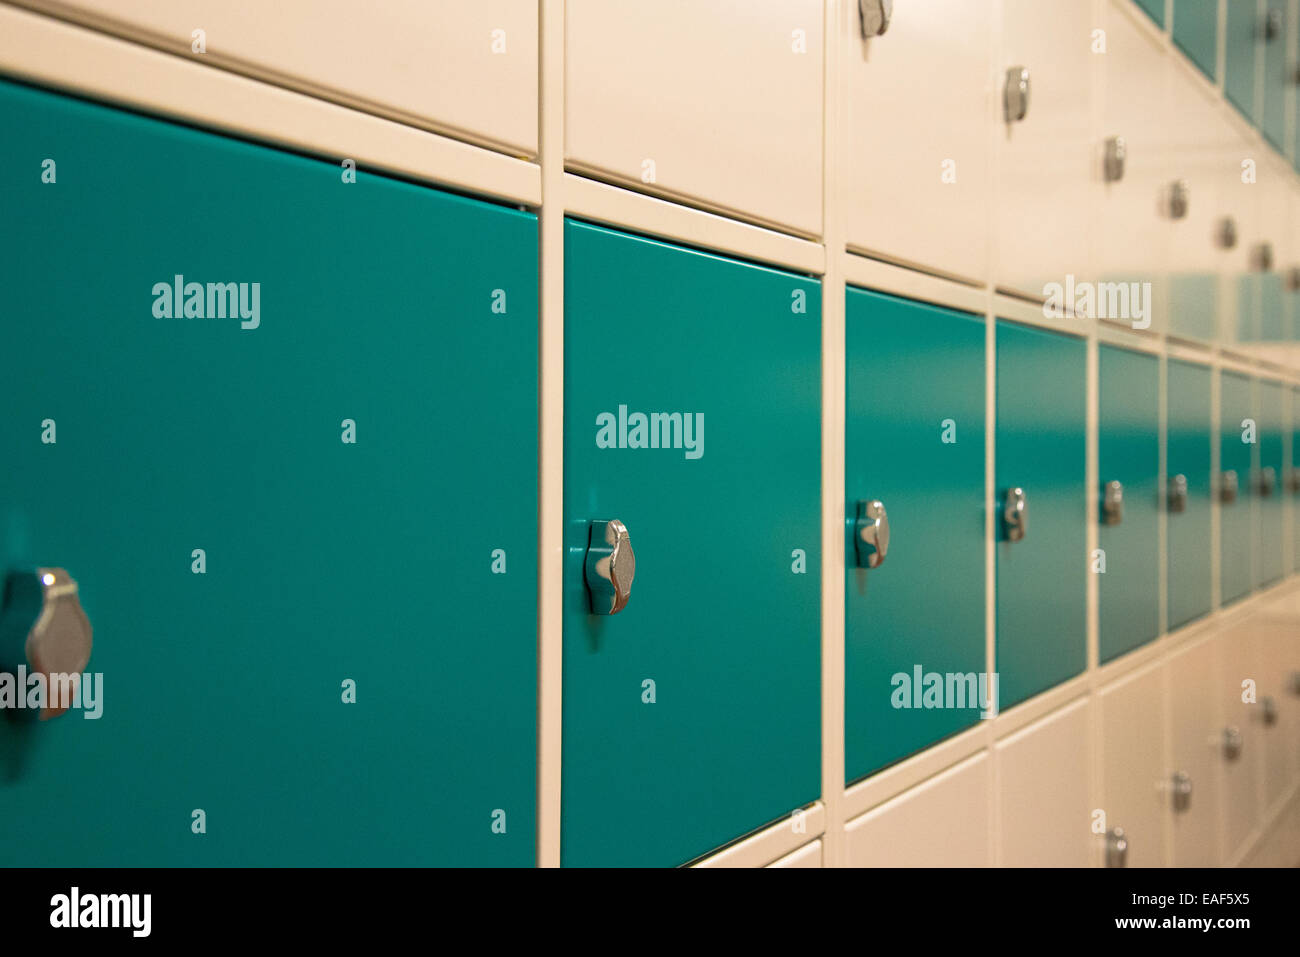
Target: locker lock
[1112,504]
[1227,234]
[1015,94]
[1181,789]
[871,534]
[1015,515]
[1228,486]
[875,16]
[1293,479]
[1116,847]
[609,567]
[1268,710]
[1232,742]
[1180,198]
[1178,493]
[1295,683]
[43,627]
[1113,163]
[1273,25]
[1293,279]
[1267,481]
[1261,257]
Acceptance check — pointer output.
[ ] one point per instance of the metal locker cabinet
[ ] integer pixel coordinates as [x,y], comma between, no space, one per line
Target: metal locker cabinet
[1270,483]
[1047,184]
[711,101]
[1238,436]
[1278,74]
[1196,31]
[1128,446]
[1042,411]
[1237,655]
[914,441]
[1189,488]
[322,560]
[1155,9]
[724,612]
[1278,710]
[1243,38]
[1196,749]
[920,190]
[465,68]
[1294,473]
[1137,789]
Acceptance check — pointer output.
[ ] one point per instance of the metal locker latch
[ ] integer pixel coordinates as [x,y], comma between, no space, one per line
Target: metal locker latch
[1267,481]
[1177,493]
[1232,742]
[875,15]
[1015,515]
[1228,487]
[1227,233]
[43,626]
[610,567]
[1113,163]
[871,533]
[1116,847]
[1180,198]
[1112,504]
[1015,94]
[1268,710]
[1181,788]
[1261,257]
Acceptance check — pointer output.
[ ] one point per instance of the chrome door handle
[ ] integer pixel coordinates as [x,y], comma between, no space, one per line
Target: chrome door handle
[1267,481]
[1177,496]
[1015,515]
[1228,487]
[871,533]
[1232,742]
[610,567]
[1116,847]
[1112,504]
[1015,94]
[1181,788]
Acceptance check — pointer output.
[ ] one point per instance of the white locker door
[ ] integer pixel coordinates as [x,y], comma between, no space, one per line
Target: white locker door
[1135,781]
[714,102]
[1279,650]
[917,170]
[1044,808]
[1196,749]
[1239,795]
[464,67]
[942,822]
[1047,181]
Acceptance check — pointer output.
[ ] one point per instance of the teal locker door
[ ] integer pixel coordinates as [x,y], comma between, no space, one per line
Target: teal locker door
[1195,30]
[1269,483]
[1189,445]
[1238,436]
[1155,9]
[693,715]
[1272,113]
[1242,38]
[914,440]
[1294,485]
[283,520]
[1128,447]
[1272,308]
[1041,425]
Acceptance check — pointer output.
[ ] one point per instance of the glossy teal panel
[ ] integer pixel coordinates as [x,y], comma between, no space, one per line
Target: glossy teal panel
[1270,515]
[1249,296]
[1242,40]
[1272,118]
[1188,452]
[324,560]
[1195,30]
[1272,309]
[1236,432]
[1128,448]
[1155,9]
[724,616]
[1295,466]
[1192,305]
[914,439]
[1042,413]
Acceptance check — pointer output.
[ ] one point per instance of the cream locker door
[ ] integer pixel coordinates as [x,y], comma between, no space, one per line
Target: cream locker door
[467,68]
[917,170]
[1239,796]
[942,822]
[1045,812]
[1131,232]
[1196,749]
[1278,649]
[1047,180]
[1134,777]
[714,102]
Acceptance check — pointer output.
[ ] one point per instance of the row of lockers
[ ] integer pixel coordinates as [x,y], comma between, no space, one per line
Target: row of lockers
[1182,761]
[1010,142]
[359,470]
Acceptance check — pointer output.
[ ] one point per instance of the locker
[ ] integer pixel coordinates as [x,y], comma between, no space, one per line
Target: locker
[1189,489]
[1278,710]
[465,69]
[914,441]
[255,504]
[1155,9]
[1269,484]
[1044,804]
[805,857]
[1041,409]
[1278,74]
[1138,790]
[1128,447]
[707,101]
[942,822]
[1195,30]
[1243,38]
[1243,751]
[1197,751]
[675,702]
[920,192]
[1295,477]
[1046,178]
[1238,437]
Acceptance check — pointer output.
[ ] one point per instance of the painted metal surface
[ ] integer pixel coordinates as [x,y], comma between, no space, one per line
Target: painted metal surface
[1270,483]
[1196,31]
[1238,437]
[1189,444]
[1242,43]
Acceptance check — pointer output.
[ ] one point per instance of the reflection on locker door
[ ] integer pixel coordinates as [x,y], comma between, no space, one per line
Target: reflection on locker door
[1040,510]
[1188,491]
[914,444]
[692,648]
[1238,438]
[306,562]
